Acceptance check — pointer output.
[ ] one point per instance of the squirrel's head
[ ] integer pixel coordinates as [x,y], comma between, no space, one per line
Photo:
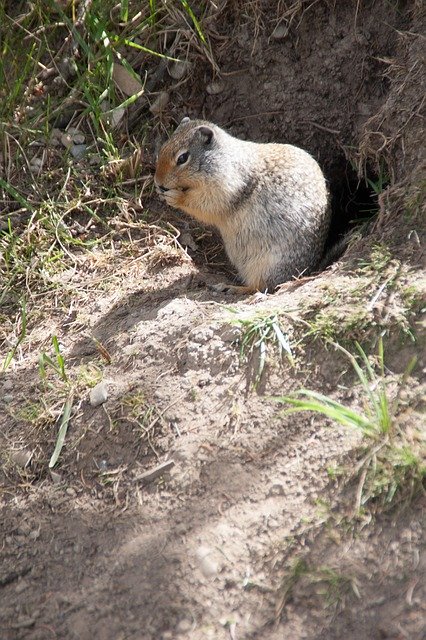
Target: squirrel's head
[185,161]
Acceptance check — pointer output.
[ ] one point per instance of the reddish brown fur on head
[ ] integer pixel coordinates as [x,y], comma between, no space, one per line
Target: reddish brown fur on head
[179,158]
[183,166]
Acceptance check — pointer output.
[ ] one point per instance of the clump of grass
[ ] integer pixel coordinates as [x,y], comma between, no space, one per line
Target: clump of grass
[330,584]
[263,335]
[393,468]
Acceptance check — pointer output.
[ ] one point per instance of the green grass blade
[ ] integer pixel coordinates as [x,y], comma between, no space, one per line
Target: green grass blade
[16,195]
[330,408]
[140,47]
[59,358]
[283,341]
[62,432]
[365,381]
[194,20]
[124,10]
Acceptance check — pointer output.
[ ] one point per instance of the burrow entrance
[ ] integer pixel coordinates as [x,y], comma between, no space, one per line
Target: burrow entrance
[354,201]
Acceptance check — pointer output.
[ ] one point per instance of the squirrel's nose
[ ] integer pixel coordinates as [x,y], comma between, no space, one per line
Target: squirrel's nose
[159,186]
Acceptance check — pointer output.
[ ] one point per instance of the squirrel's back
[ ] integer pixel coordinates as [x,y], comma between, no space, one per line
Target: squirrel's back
[269,201]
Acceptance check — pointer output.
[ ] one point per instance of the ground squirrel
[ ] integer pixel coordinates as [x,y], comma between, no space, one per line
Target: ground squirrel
[269,201]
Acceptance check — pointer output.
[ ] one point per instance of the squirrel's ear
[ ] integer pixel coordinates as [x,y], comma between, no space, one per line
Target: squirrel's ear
[184,120]
[206,133]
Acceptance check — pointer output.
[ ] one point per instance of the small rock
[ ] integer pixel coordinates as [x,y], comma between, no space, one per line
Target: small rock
[22,458]
[66,140]
[21,586]
[71,492]
[128,83]
[184,626]
[7,398]
[78,151]
[208,565]
[277,489]
[273,523]
[178,70]
[280,32]
[34,534]
[116,116]
[95,159]
[79,138]
[7,385]
[36,164]
[214,88]
[131,350]
[67,67]
[56,477]
[160,103]
[56,134]
[186,240]
[98,394]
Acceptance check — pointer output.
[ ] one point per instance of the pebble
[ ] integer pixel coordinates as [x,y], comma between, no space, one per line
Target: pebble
[95,159]
[99,394]
[7,398]
[280,32]
[277,489]
[56,134]
[8,385]
[214,88]
[79,138]
[187,240]
[34,534]
[56,477]
[21,586]
[184,626]
[66,139]
[22,458]
[78,151]
[208,566]
[178,70]
[36,163]
[117,116]
[160,103]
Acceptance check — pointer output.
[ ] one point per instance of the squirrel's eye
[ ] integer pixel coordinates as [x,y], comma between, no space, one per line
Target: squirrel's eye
[183,158]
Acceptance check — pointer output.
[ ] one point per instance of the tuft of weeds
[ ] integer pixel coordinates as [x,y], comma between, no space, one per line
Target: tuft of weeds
[393,467]
[56,363]
[333,586]
[21,326]
[261,335]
